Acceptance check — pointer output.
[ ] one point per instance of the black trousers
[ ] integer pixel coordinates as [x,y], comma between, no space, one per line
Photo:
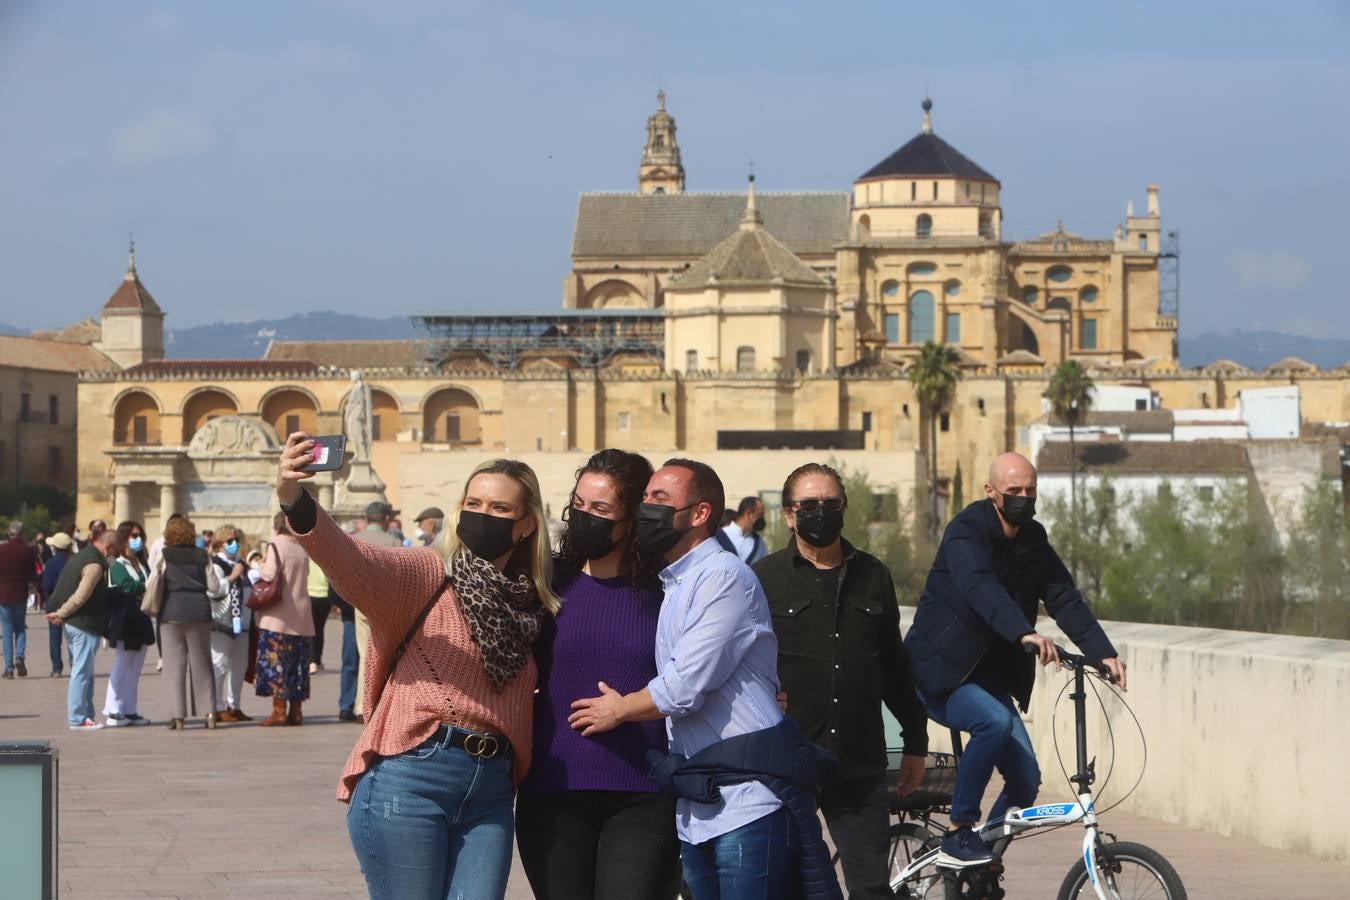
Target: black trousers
[321,607]
[598,845]
[859,818]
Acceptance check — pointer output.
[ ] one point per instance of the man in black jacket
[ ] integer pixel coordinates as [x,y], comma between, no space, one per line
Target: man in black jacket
[839,658]
[978,609]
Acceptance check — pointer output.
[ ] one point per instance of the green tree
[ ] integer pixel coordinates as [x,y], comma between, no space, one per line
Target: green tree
[1318,553]
[958,491]
[1162,573]
[1070,396]
[934,374]
[1247,565]
[1098,529]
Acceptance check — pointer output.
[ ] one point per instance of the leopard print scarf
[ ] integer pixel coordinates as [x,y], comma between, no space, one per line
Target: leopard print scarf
[504,614]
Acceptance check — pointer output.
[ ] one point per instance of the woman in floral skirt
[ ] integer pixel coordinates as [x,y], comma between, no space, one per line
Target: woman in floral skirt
[284,630]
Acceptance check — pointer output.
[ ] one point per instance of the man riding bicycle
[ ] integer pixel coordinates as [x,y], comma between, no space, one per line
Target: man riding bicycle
[994,567]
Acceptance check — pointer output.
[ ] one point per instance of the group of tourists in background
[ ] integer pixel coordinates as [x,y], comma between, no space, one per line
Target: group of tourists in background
[654,697]
[188,594]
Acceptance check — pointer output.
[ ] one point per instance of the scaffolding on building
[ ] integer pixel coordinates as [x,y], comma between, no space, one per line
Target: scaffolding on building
[591,338]
[1169,276]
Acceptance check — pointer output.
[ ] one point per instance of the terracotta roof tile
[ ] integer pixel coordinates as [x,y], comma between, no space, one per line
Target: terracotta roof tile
[347,354]
[1146,458]
[1137,421]
[131,294]
[51,355]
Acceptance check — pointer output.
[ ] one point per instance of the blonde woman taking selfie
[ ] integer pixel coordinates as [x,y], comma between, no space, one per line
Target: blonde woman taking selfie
[448,722]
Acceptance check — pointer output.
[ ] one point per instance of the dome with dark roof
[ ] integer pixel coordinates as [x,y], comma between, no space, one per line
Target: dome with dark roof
[927,156]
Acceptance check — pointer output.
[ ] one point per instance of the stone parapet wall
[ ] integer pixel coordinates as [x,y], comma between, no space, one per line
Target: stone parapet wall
[1247,733]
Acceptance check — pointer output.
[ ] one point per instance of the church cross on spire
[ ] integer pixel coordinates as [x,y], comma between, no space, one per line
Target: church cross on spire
[131,258]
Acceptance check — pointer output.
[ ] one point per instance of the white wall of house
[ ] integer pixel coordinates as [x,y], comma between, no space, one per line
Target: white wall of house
[1130,489]
[1271,412]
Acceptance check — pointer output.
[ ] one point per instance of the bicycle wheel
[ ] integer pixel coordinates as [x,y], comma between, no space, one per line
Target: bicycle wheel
[907,843]
[1132,871]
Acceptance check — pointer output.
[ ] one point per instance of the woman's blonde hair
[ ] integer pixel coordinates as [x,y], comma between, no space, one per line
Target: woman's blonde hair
[538,546]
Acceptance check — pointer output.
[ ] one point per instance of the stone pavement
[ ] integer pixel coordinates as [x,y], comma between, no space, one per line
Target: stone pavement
[242,812]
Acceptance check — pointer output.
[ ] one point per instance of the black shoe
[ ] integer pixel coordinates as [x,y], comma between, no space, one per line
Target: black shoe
[20,667]
[346,715]
[961,848]
[7,674]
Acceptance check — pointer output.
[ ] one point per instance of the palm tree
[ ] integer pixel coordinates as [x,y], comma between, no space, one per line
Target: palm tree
[1070,396]
[934,374]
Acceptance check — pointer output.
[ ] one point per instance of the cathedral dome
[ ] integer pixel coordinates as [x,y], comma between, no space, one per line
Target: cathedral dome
[927,156]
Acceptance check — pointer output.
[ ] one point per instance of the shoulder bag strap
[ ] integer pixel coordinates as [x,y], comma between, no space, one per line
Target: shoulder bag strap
[407,639]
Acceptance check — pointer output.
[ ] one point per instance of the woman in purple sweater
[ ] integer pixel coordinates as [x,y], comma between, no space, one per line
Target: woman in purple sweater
[590,823]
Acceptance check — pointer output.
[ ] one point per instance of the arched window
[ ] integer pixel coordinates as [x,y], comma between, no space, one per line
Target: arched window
[920,269]
[1059,274]
[804,361]
[920,317]
[450,416]
[1030,295]
[659,190]
[745,359]
[890,289]
[1088,294]
[136,419]
[290,410]
[204,406]
[952,289]
[923,226]
[1059,303]
[864,228]
[384,418]
[1029,342]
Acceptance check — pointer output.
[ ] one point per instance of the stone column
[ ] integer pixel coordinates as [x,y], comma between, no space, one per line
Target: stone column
[326,496]
[121,503]
[167,502]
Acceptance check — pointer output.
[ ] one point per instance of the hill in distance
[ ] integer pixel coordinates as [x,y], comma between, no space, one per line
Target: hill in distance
[249,340]
[1258,349]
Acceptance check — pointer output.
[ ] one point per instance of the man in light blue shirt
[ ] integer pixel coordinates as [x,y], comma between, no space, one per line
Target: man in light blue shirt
[717,678]
[743,535]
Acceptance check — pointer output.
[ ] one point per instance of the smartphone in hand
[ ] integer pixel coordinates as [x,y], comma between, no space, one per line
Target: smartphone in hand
[330,451]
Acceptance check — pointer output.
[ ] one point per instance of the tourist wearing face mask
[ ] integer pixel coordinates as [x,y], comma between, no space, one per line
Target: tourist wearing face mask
[840,658]
[968,643]
[130,631]
[743,535]
[447,732]
[230,622]
[744,776]
[590,822]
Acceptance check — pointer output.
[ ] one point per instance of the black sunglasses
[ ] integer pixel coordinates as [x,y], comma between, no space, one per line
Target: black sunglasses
[811,504]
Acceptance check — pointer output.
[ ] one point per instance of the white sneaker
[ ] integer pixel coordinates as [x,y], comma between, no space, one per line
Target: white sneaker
[159,665]
[87,725]
[313,668]
[116,720]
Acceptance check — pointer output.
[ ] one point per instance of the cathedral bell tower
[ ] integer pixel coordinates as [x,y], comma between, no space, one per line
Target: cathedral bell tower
[661,171]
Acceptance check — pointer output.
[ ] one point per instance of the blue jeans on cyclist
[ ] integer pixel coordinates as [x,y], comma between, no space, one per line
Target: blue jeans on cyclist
[998,740]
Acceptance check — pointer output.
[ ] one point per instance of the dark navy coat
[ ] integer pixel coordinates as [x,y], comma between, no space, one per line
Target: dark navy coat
[982,597]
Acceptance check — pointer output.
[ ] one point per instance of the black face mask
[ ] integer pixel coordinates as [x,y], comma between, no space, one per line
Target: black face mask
[760,525]
[590,535]
[820,527]
[488,537]
[1017,510]
[655,531]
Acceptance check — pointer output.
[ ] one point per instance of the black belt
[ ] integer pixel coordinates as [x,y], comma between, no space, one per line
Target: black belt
[478,744]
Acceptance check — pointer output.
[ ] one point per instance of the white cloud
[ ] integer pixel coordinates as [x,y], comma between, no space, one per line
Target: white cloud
[162,135]
[1269,268]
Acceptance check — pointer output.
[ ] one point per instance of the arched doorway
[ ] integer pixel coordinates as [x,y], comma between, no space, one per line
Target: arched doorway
[450,416]
[136,419]
[385,421]
[289,410]
[202,407]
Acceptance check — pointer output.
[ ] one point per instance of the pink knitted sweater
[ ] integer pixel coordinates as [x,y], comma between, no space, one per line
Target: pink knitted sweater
[441,676]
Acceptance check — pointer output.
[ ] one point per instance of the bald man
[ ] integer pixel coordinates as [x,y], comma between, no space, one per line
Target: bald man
[994,568]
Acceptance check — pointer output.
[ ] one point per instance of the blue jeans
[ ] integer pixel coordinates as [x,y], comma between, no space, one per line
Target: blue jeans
[434,823]
[758,861]
[350,661]
[13,633]
[80,693]
[54,647]
[998,740]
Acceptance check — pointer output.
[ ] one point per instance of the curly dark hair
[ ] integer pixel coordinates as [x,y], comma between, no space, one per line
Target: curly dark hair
[630,473]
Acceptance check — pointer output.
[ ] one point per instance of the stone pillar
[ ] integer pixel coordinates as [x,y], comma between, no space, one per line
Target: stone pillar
[121,503]
[167,502]
[326,496]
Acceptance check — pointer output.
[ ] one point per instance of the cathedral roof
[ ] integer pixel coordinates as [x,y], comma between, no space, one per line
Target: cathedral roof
[689,225]
[1146,458]
[51,355]
[375,354]
[131,294]
[750,255]
[927,156]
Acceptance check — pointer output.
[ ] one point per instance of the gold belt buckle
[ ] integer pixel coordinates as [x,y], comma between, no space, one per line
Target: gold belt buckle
[481,746]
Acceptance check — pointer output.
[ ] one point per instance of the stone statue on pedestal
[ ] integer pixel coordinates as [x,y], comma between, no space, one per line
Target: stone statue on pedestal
[361,484]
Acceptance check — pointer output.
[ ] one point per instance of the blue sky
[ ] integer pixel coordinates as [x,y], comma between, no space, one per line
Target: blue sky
[402,157]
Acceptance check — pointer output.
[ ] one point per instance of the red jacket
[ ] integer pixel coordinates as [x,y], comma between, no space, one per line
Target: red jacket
[18,570]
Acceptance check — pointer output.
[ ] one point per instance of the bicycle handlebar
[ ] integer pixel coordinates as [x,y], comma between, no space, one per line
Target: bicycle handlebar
[1073,661]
